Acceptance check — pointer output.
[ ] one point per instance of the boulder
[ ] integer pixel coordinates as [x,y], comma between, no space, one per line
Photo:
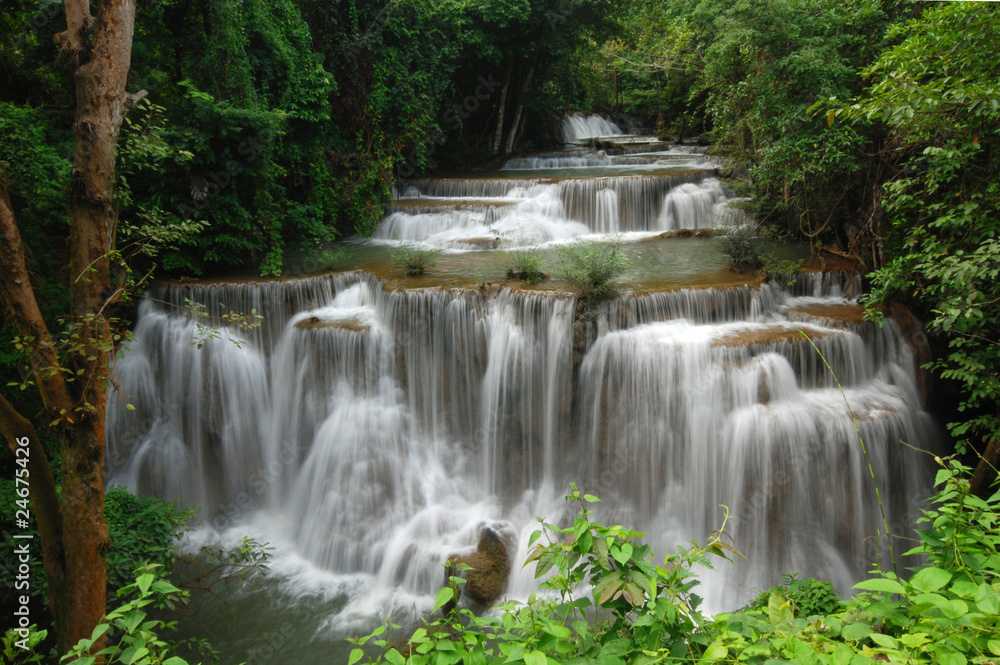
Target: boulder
[489,567]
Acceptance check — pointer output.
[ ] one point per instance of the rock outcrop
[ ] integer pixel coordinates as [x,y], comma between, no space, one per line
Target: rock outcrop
[486,577]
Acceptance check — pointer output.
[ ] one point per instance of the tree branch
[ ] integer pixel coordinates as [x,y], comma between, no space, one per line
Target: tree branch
[74,42]
[27,317]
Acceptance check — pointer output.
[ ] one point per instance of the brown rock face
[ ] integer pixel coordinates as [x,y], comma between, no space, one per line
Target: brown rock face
[916,337]
[489,569]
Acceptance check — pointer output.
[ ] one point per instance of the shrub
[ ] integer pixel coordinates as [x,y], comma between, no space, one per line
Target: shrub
[744,246]
[591,267]
[140,528]
[782,271]
[410,259]
[809,596]
[525,264]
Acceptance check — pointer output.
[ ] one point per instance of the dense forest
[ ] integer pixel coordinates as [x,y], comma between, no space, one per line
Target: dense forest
[259,133]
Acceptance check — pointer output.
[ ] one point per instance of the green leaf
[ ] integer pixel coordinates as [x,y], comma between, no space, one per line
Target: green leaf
[443,596]
[884,641]
[714,653]
[881,584]
[930,579]
[144,581]
[535,658]
[99,630]
[590,498]
[856,631]
[356,655]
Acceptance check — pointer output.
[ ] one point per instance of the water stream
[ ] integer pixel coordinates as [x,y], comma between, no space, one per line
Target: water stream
[368,431]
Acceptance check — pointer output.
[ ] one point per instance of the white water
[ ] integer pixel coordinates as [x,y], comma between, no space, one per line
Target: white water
[576,127]
[370,434]
[536,210]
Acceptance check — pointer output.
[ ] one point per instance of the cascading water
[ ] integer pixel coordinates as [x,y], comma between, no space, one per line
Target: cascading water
[370,433]
[576,127]
[559,197]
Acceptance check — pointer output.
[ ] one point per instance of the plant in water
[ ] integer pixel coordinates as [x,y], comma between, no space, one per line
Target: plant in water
[591,267]
[410,259]
[783,271]
[524,263]
[744,246]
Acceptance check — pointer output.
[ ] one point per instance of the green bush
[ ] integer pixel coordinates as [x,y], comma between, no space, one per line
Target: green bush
[808,596]
[140,528]
[410,259]
[525,264]
[591,267]
[947,612]
[744,246]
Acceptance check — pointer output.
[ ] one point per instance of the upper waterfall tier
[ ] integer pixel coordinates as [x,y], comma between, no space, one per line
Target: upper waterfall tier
[532,210]
[577,127]
[373,432]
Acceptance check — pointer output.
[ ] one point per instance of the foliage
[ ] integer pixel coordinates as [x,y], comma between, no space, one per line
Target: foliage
[591,267]
[947,612]
[744,246]
[135,637]
[16,655]
[781,270]
[808,597]
[587,566]
[523,263]
[410,259]
[937,93]
[139,529]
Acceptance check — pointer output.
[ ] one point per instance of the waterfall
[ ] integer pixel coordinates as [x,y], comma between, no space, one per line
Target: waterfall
[577,127]
[372,433]
[536,210]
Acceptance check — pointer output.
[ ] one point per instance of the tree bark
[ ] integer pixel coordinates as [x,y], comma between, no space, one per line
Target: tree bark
[498,136]
[986,470]
[511,138]
[26,315]
[101,103]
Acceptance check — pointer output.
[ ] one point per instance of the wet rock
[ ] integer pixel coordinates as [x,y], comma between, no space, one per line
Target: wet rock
[489,568]
[688,233]
[482,243]
[316,323]
[916,337]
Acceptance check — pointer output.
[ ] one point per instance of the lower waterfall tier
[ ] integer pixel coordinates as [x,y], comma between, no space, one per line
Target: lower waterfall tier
[371,433]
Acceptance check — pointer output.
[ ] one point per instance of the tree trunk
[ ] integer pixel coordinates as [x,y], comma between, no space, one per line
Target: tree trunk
[986,470]
[498,136]
[512,137]
[75,538]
